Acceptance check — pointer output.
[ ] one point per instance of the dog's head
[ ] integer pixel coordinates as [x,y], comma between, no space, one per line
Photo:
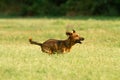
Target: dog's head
[74,37]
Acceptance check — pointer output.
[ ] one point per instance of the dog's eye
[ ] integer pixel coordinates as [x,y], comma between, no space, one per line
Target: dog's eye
[76,36]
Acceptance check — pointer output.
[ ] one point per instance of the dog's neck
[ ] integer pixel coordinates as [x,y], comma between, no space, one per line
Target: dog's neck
[69,43]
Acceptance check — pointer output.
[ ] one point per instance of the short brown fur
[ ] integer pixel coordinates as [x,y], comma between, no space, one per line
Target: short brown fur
[52,46]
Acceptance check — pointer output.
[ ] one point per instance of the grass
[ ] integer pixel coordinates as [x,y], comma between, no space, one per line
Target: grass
[98,58]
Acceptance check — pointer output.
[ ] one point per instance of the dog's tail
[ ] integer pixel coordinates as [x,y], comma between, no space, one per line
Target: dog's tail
[34,42]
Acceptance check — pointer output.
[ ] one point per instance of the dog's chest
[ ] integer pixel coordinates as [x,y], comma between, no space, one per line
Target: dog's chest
[63,47]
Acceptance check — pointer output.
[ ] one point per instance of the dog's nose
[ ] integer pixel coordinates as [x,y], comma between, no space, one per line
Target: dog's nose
[82,38]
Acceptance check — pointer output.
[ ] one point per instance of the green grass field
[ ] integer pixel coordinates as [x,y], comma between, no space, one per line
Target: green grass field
[98,58]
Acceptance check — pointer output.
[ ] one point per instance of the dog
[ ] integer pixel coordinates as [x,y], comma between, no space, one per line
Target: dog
[52,46]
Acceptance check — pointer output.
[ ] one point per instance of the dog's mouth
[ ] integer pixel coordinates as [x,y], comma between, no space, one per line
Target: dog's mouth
[80,40]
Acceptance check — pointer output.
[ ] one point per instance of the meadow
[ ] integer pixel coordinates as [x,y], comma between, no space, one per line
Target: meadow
[98,58]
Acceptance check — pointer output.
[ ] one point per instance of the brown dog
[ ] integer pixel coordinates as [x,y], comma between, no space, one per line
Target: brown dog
[52,46]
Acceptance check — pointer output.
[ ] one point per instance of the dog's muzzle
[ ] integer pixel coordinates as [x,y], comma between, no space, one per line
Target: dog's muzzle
[79,41]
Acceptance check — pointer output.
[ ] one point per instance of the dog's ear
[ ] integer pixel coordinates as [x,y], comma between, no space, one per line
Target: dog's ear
[68,33]
[74,31]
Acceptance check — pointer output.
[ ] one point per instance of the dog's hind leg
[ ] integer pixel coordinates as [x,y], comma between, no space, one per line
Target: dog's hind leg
[46,49]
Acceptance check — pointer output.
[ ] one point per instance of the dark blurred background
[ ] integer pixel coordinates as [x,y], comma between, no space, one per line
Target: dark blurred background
[59,7]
